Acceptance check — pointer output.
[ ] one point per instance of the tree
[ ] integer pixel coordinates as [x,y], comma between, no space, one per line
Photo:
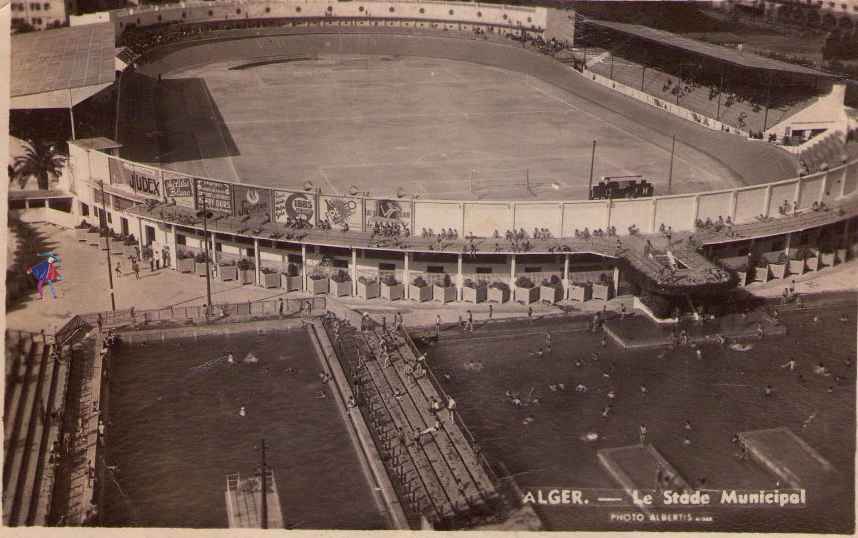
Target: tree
[41,160]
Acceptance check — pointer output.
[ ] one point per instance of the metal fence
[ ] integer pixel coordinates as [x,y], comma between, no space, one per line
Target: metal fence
[273,307]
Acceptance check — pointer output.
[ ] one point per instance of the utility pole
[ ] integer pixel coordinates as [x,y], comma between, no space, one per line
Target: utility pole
[592,164]
[208,265]
[670,173]
[103,223]
[264,483]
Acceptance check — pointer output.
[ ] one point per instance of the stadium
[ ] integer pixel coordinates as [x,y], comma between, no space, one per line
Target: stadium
[384,153]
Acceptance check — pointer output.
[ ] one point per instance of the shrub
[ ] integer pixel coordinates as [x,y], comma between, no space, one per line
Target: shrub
[445,282]
[183,254]
[503,286]
[267,271]
[83,225]
[228,263]
[201,257]
[341,276]
[245,265]
[523,282]
[291,270]
[419,281]
[367,280]
[475,284]
[316,275]
[554,281]
[389,280]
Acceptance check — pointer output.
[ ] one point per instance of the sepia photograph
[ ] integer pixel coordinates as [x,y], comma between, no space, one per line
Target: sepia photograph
[365,265]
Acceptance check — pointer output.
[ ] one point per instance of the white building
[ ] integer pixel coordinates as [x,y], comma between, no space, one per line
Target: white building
[41,14]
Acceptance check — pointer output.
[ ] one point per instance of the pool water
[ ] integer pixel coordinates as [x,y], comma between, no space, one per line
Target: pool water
[542,444]
[175,432]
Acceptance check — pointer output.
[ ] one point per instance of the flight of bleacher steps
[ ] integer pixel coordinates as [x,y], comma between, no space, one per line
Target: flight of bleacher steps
[36,384]
[439,476]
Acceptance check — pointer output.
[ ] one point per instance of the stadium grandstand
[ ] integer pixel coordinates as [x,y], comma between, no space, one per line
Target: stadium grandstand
[761,97]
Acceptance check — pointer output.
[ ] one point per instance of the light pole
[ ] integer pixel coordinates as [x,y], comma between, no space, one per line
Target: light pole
[103,222]
[208,267]
[263,483]
[592,164]
[670,172]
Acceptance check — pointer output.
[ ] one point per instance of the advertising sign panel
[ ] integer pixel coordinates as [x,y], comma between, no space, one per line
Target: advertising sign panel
[218,196]
[294,206]
[251,201]
[341,210]
[179,189]
[388,212]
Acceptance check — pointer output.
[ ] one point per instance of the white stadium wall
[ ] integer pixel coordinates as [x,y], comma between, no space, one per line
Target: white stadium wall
[482,219]
[713,205]
[750,203]
[437,216]
[810,190]
[626,213]
[538,215]
[579,215]
[780,193]
[675,212]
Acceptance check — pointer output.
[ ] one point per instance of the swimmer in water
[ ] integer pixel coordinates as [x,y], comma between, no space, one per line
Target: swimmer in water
[230,359]
[242,412]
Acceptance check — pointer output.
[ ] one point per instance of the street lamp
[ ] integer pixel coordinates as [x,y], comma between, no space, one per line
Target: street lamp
[103,227]
[208,266]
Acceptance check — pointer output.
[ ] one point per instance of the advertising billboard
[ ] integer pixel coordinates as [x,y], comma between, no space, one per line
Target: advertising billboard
[294,206]
[218,196]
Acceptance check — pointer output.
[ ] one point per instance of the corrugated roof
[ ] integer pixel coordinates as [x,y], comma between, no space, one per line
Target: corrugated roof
[74,57]
[725,54]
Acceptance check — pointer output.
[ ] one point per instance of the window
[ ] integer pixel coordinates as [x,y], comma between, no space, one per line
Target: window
[479,14]
[238,11]
[109,218]
[267,10]
[184,15]
[434,269]
[36,7]
[159,18]
[339,264]
[180,239]
[360,9]
[505,17]
[297,9]
[484,270]
[529,19]
[46,6]
[387,267]
[37,20]
[392,9]
[778,245]
[533,269]
[422,11]
[123,222]
[84,210]
[211,13]
[250,253]
[450,12]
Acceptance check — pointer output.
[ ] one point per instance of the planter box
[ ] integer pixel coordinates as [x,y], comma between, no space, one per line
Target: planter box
[92,238]
[827,259]
[290,283]
[761,274]
[474,295]
[228,272]
[201,268]
[581,293]
[102,243]
[550,294]
[368,290]
[247,276]
[811,264]
[443,294]
[602,292]
[796,267]
[525,295]
[270,280]
[842,255]
[496,295]
[80,233]
[185,265]
[778,269]
[340,289]
[392,293]
[318,287]
[420,295]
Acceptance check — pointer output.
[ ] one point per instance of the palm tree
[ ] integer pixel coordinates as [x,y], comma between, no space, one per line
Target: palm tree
[40,160]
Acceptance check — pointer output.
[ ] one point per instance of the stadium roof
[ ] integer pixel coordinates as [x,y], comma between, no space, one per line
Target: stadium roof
[78,58]
[724,54]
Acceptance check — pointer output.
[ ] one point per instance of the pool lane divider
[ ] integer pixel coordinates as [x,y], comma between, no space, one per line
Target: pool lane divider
[368,455]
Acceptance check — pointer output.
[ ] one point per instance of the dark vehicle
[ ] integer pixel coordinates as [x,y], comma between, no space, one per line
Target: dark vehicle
[622,187]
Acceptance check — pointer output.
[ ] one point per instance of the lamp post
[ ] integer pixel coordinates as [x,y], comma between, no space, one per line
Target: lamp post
[103,222]
[208,267]
[592,164]
[670,172]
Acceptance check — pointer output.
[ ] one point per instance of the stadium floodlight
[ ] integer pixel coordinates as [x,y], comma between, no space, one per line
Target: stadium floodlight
[308,185]
[400,193]
[353,190]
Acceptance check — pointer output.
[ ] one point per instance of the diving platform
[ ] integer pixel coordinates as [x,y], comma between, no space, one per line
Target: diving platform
[244,502]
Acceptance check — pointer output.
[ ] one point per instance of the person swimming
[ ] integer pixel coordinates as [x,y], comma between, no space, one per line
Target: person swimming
[250,358]
[229,358]
[242,412]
